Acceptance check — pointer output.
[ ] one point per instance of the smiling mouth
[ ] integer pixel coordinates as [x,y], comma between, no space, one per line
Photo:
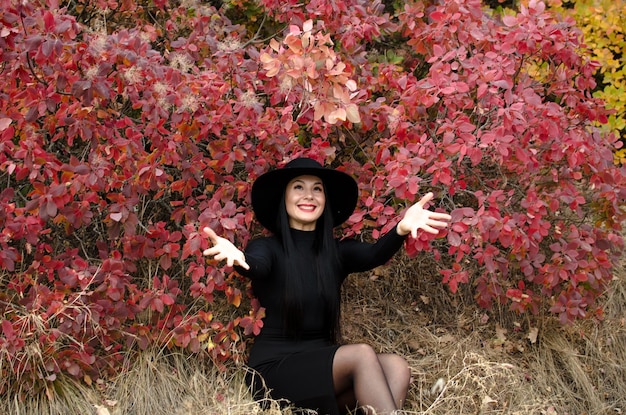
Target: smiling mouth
[307,208]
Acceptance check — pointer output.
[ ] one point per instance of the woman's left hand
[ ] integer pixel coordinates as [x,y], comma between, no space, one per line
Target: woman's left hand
[416,217]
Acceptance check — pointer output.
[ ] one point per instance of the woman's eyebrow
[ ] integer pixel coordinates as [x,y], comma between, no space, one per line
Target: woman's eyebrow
[302,181]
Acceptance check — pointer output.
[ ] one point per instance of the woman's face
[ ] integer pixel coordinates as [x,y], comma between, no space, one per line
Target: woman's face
[304,201]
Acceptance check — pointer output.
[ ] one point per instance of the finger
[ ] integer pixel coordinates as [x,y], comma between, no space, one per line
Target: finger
[243,264]
[440,215]
[427,198]
[220,256]
[210,233]
[210,251]
[430,230]
[425,228]
[437,224]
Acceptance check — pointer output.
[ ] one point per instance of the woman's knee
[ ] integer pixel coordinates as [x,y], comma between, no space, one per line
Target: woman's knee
[365,353]
[396,366]
[350,361]
[358,354]
[400,362]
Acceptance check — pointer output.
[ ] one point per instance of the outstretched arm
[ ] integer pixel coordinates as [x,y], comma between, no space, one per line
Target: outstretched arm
[223,249]
[416,217]
[361,256]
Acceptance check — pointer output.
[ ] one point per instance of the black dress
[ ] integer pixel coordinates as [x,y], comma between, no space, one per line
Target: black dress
[299,369]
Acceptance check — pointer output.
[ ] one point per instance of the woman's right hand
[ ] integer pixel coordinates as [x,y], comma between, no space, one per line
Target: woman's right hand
[223,249]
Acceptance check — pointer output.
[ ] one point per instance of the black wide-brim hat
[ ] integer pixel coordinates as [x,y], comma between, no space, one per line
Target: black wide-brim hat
[340,189]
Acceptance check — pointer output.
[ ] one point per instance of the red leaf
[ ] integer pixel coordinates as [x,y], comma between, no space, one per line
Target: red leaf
[7,329]
[73,369]
[47,47]
[454,239]
[228,223]
[157,305]
[167,299]
[437,16]
[49,22]
[33,42]
[192,246]
[50,209]
[165,262]
[509,20]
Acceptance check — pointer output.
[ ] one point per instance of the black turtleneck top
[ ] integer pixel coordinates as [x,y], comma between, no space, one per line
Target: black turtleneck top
[268,279]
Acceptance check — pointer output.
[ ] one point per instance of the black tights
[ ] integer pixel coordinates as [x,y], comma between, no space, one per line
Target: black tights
[376,383]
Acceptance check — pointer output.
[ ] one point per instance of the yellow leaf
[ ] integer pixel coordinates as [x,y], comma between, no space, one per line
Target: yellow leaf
[336,115]
[236,300]
[271,69]
[340,93]
[322,109]
[306,40]
[352,112]
[294,44]
[274,45]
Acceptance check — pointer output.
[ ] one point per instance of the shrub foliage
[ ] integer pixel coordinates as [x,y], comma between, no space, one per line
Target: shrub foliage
[126,127]
[603,24]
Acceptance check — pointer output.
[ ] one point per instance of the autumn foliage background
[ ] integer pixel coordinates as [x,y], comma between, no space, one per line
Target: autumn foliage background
[126,127]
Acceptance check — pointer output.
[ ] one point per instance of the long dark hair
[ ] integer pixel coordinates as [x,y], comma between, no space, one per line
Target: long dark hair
[326,264]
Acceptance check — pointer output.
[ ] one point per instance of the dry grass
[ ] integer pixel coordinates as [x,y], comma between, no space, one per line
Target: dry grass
[64,396]
[490,364]
[176,384]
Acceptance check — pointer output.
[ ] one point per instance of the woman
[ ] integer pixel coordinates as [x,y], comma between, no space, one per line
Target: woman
[297,273]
